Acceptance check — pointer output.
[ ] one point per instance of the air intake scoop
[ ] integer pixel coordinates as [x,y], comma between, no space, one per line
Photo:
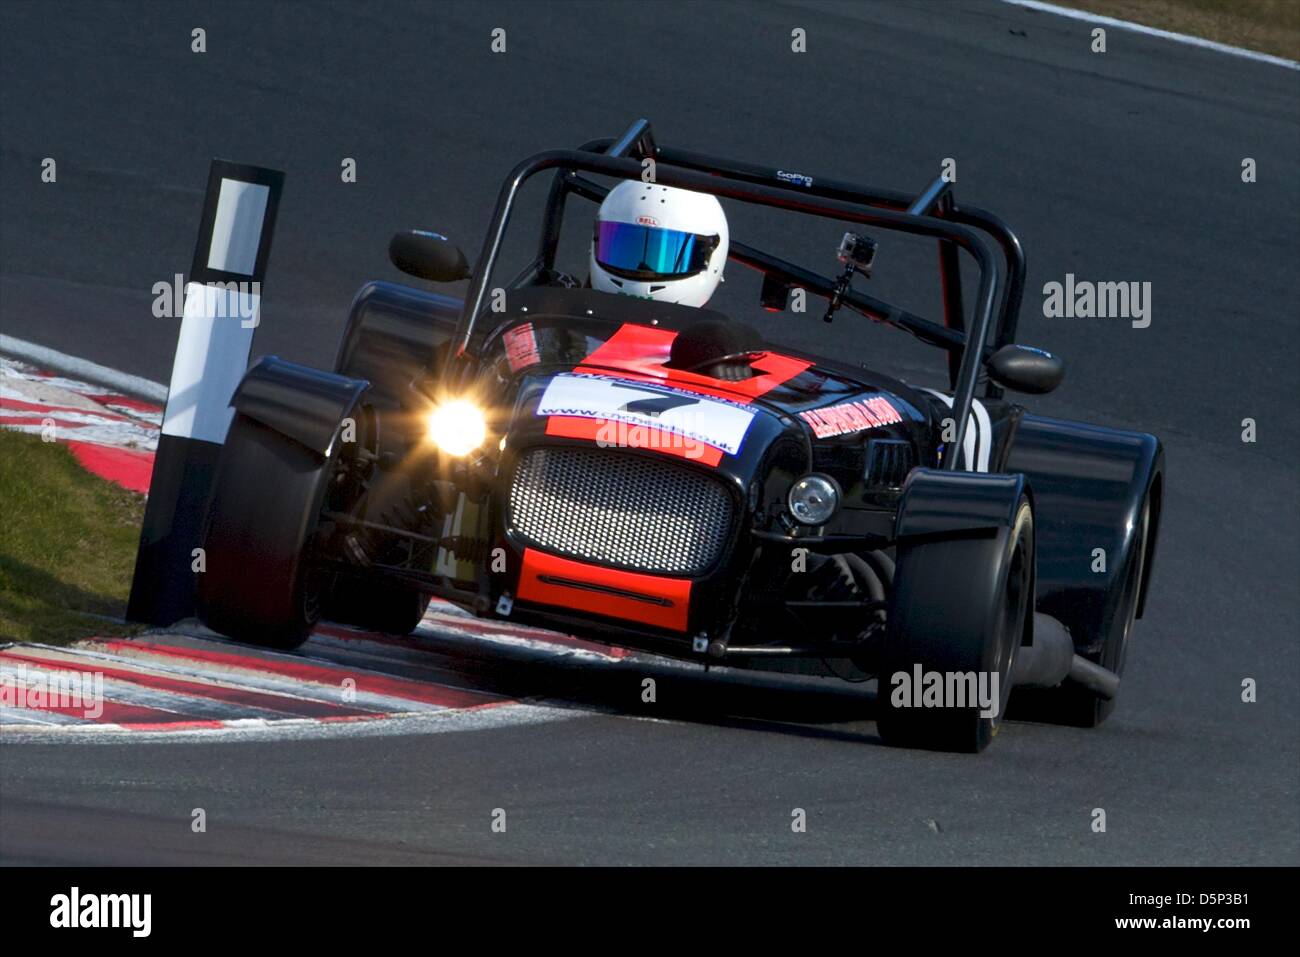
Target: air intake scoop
[720,348]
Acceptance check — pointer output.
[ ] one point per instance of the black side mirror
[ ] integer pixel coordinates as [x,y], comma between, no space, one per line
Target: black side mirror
[1026,369]
[427,255]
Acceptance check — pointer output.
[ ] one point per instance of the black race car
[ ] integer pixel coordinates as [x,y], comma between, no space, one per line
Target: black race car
[656,476]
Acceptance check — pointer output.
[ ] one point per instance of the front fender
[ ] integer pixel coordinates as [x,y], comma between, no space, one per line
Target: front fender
[302,403]
[941,504]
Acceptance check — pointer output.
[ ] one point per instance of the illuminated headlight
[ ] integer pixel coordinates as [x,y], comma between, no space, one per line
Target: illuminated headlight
[813,499]
[457,427]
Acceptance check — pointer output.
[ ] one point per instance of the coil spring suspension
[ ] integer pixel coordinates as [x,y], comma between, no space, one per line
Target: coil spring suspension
[407,524]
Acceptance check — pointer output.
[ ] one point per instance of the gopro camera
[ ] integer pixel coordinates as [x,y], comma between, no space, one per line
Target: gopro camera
[858,252]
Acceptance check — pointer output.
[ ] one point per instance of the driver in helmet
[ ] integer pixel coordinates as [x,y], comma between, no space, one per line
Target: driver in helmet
[670,245]
[658,242]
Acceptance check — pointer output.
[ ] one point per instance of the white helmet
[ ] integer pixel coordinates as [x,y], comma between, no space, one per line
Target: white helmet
[659,242]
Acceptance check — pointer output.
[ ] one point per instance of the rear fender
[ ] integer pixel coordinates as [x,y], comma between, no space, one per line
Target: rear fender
[391,336]
[1089,484]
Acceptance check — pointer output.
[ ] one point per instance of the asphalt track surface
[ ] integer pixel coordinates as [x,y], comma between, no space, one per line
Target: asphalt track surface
[1116,166]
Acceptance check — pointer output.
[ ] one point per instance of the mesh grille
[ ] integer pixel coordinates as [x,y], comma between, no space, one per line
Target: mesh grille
[619,509]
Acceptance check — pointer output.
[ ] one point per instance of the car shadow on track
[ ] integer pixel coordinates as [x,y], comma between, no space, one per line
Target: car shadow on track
[641,685]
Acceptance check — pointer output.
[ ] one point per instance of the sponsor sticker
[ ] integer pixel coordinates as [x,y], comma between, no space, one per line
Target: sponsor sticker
[521,347]
[856,416]
[712,422]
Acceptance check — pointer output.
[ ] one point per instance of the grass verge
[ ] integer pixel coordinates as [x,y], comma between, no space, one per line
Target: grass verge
[67,545]
[1269,26]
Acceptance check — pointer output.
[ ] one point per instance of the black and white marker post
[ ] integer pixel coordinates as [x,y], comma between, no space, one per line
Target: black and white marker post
[221,313]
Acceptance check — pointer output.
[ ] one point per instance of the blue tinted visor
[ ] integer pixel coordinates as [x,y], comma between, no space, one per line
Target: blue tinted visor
[648,252]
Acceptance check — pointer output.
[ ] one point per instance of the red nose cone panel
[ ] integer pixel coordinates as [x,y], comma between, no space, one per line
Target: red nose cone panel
[639,352]
[653,600]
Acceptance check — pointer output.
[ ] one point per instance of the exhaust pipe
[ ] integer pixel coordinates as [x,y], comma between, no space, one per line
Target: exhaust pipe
[1100,681]
[1051,660]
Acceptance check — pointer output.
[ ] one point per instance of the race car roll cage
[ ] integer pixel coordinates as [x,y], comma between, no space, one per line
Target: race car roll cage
[933,212]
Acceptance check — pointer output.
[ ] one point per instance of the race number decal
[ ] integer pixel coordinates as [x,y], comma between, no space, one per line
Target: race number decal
[721,425]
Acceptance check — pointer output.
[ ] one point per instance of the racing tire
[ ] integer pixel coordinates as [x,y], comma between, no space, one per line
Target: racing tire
[959,605]
[258,585]
[1071,704]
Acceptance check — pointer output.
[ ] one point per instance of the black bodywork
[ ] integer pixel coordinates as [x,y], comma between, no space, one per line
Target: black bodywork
[916,478]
